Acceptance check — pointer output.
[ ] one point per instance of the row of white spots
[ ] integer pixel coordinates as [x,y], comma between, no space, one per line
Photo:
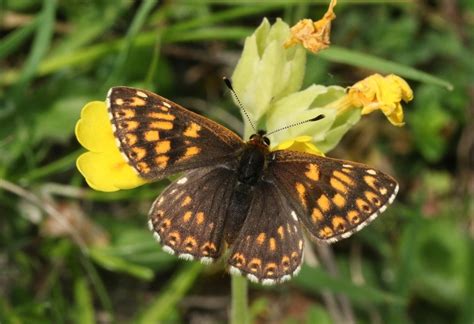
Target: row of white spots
[169,249]
[265,281]
[366,222]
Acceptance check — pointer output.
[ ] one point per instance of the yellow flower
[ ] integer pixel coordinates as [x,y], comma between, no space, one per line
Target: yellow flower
[384,93]
[314,36]
[300,144]
[103,167]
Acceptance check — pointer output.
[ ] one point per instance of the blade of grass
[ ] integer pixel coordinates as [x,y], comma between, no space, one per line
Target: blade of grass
[98,285]
[89,54]
[40,47]
[115,263]
[315,279]
[13,40]
[84,308]
[158,310]
[358,59]
[59,165]
[137,23]
[239,313]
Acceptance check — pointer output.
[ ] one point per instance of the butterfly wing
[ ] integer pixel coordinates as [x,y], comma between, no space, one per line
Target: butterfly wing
[269,246]
[332,198]
[188,217]
[159,137]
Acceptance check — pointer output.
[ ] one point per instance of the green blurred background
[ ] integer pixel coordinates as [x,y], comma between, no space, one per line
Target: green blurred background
[69,254]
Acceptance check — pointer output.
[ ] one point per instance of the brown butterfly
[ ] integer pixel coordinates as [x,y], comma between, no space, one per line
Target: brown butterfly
[238,193]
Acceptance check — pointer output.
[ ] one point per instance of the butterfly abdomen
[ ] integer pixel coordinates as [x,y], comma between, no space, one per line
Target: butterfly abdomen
[249,172]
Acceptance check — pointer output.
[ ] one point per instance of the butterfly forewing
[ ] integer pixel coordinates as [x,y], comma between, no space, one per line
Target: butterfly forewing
[159,138]
[269,247]
[333,198]
[188,217]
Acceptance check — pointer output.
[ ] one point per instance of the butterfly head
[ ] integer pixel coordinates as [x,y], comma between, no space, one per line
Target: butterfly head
[259,139]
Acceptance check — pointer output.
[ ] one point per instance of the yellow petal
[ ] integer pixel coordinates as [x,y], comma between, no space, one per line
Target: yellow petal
[314,36]
[94,130]
[107,171]
[300,144]
[103,167]
[377,92]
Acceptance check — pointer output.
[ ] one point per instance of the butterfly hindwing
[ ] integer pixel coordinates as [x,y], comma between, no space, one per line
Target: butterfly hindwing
[269,246]
[188,217]
[159,137]
[333,198]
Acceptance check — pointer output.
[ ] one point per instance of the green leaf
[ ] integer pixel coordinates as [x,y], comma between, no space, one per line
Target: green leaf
[159,309]
[114,263]
[366,61]
[314,280]
[84,305]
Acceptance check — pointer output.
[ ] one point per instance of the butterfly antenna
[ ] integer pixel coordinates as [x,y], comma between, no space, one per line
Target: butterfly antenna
[228,83]
[318,117]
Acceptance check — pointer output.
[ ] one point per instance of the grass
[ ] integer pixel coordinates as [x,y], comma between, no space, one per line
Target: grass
[414,264]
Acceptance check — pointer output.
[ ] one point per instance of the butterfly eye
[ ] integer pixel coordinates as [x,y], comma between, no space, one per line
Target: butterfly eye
[266,140]
[253,136]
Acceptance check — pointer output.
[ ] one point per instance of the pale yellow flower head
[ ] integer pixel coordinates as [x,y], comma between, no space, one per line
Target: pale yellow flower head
[384,93]
[300,144]
[314,36]
[103,166]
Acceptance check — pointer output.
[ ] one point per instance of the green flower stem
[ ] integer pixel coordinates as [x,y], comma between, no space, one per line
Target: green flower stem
[239,308]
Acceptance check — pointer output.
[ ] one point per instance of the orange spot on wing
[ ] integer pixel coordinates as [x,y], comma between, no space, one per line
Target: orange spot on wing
[143,167]
[152,136]
[261,238]
[131,139]
[119,101]
[190,243]
[255,264]
[137,101]
[324,203]
[363,205]
[161,116]
[374,198]
[162,147]
[343,177]
[192,130]
[208,248]
[190,152]
[173,238]
[371,181]
[339,200]
[270,269]
[339,224]
[313,172]
[285,261]
[326,232]
[138,153]
[187,200]
[162,161]
[239,259]
[187,216]
[165,125]
[338,185]
[316,215]
[353,217]
[281,232]
[200,218]
[272,244]
[129,125]
[300,188]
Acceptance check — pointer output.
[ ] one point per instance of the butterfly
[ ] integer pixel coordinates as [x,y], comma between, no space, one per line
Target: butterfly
[239,196]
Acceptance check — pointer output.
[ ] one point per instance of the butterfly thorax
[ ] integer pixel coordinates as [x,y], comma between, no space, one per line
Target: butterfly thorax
[252,161]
